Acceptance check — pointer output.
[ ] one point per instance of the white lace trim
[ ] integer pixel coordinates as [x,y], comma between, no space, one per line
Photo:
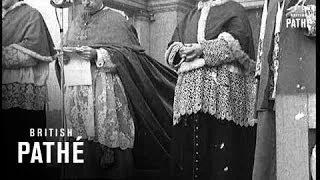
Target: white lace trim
[217,91]
[171,53]
[17,4]
[32,53]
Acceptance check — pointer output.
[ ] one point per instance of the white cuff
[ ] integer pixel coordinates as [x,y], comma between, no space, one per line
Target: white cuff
[192,65]
[100,59]
[171,53]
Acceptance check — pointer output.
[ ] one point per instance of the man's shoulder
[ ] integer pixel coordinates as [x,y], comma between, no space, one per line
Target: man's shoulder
[235,6]
[30,11]
[106,15]
[115,13]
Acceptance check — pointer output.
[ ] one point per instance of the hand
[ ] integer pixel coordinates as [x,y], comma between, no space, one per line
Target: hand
[191,51]
[87,53]
[65,55]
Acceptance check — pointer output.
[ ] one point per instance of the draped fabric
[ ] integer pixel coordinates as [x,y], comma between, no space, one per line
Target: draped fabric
[148,85]
[27,29]
[150,88]
[264,159]
[265,151]
[105,27]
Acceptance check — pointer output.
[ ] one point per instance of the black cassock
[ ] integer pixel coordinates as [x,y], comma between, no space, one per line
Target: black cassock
[204,147]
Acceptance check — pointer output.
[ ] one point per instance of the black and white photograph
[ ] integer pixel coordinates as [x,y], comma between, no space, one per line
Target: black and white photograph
[159,89]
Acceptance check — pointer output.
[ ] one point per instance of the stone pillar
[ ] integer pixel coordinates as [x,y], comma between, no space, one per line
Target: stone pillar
[166,15]
[142,25]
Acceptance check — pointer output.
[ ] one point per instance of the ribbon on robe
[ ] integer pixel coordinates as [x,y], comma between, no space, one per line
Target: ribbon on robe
[276,49]
[261,38]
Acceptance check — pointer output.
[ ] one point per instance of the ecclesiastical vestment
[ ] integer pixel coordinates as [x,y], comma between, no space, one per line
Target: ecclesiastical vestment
[214,104]
[27,49]
[127,110]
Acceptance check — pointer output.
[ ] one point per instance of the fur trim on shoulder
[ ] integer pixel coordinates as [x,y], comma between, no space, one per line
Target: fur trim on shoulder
[32,53]
[171,53]
[17,4]
[248,63]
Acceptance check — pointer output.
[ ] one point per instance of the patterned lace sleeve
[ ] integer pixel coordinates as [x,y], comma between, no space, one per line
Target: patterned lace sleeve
[13,58]
[216,52]
[310,13]
[226,49]
[172,59]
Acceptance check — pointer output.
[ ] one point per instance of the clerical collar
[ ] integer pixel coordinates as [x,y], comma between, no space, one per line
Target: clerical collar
[17,4]
[210,3]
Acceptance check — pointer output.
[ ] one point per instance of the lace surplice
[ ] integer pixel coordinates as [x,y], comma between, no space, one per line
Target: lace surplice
[217,91]
[100,112]
[223,86]
[24,96]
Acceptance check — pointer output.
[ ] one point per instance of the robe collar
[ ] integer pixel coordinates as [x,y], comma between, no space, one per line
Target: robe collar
[210,3]
[17,4]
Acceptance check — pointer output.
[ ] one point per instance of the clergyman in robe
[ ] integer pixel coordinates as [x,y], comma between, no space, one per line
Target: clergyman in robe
[213,134]
[27,49]
[124,115]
